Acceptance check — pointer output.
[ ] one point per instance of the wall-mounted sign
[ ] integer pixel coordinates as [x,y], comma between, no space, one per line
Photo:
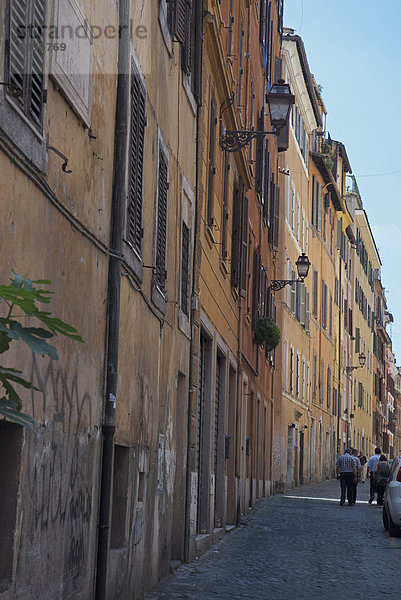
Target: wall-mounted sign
[70,41]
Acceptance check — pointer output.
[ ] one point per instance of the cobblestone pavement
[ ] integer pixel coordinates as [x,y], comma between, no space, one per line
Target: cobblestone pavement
[299,546]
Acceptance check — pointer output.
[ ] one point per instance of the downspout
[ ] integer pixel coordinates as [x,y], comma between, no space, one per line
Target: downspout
[113,299]
[339,361]
[187,522]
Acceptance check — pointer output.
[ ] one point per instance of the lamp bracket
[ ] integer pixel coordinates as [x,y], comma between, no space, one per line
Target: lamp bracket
[278,284]
[233,140]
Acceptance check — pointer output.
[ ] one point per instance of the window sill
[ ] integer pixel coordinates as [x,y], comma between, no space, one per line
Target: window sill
[158,298]
[133,260]
[23,134]
[209,236]
[168,40]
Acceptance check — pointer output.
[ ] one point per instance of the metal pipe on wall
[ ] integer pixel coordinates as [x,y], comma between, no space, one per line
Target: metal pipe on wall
[113,298]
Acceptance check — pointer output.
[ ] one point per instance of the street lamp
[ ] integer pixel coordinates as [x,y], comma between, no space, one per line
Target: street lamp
[279,99]
[362,360]
[303,263]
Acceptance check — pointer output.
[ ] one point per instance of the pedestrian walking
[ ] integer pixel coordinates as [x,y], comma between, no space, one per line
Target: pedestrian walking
[382,471]
[364,465]
[372,462]
[358,472]
[347,472]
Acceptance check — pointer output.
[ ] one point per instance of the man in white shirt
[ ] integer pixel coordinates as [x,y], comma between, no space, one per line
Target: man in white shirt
[372,462]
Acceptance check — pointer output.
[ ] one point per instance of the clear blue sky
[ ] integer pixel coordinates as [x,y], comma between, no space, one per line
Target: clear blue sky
[354,52]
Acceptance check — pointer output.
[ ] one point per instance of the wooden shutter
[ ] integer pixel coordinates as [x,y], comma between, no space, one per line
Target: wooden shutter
[26,55]
[276,224]
[185,248]
[262,22]
[35,100]
[17,47]
[244,246]
[137,144]
[161,238]
[179,20]
[256,286]
[277,68]
[212,169]
[259,176]
[319,205]
[187,47]
[314,217]
[224,216]
[197,64]
[267,190]
[236,234]
[307,312]
[302,290]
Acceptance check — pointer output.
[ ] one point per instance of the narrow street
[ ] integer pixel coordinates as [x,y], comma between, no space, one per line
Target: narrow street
[300,545]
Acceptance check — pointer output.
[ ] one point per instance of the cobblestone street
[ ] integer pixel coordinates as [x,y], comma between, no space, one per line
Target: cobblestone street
[300,545]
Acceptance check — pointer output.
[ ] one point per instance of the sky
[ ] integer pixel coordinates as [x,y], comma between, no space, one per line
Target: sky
[354,52]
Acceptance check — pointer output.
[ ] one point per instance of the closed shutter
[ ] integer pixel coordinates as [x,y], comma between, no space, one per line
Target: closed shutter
[256,287]
[319,206]
[137,144]
[26,55]
[35,102]
[212,169]
[161,238]
[307,312]
[302,290]
[188,44]
[293,291]
[185,269]
[267,193]
[339,232]
[244,247]
[216,412]
[17,46]
[225,213]
[259,175]
[236,234]
[314,215]
[179,20]
[262,22]
[276,224]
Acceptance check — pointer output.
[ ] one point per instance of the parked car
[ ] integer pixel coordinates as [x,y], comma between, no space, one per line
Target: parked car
[392,500]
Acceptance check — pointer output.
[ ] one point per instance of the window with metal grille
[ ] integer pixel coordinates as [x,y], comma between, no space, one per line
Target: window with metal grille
[185,269]
[161,234]
[25,55]
[137,144]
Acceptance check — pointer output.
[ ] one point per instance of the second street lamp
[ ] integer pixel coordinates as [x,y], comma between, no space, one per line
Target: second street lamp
[362,360]
[303,264]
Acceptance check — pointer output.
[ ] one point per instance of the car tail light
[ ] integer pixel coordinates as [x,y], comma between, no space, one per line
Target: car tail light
[398,478]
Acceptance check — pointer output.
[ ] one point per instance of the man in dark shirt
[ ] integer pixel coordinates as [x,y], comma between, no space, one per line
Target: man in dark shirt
[346,469]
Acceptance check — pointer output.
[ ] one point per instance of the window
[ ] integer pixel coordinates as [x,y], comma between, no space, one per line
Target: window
[212,168]
[315,293]
[161,229]
[321,383]
[185,261]
[239,271]
[137,144]
[331,315]
[25,65]
[240,69]
[297,374]
[224,215]
[314,377]
[316,204]
[324,304]
[328,388]
[291,386]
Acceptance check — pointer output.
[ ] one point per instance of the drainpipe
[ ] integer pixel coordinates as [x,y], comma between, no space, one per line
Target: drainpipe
[113,298]
[191,391]
[339,362]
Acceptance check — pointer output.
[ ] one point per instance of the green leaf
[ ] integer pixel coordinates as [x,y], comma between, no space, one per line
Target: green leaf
[4,341]
[15,416]
[31,339]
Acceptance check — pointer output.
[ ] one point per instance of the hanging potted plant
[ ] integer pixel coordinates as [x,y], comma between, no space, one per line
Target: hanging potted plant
[267,333]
